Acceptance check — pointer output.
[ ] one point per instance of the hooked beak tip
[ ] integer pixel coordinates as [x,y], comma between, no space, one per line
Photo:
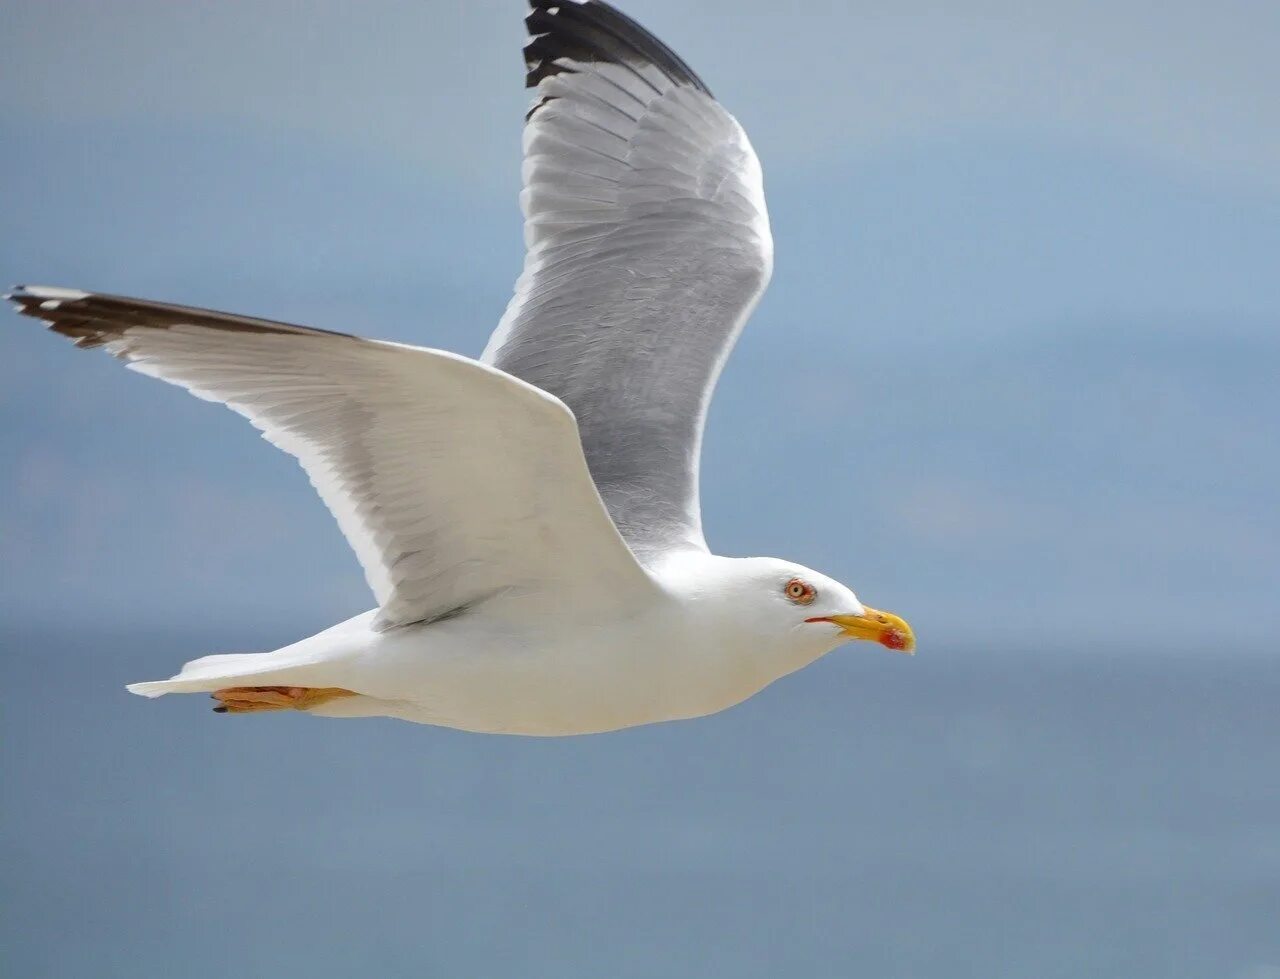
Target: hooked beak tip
[885,628]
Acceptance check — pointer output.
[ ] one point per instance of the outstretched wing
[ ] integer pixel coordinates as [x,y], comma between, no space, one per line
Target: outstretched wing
[648,247]
[452,481]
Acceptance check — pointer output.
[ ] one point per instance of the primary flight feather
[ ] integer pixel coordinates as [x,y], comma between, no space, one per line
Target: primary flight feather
[529,523]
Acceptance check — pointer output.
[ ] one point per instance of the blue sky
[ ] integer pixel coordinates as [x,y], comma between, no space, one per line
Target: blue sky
[1014,376]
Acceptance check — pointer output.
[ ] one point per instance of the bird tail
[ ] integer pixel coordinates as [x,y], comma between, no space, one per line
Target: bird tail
[211,673]
[319,661]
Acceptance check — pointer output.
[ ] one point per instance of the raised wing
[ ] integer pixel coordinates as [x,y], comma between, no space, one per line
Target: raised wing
[648,247]
[453,482]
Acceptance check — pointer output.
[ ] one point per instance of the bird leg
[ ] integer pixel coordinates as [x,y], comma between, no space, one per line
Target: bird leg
[248,700]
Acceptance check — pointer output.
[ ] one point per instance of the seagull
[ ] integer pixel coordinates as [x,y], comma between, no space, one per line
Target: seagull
[529,522]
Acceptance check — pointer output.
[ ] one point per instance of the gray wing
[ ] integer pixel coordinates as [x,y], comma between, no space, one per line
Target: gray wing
[648,246]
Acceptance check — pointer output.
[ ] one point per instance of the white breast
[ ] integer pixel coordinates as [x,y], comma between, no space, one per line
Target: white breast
[514,673]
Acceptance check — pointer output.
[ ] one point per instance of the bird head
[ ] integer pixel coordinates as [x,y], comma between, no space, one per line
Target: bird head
[808,608]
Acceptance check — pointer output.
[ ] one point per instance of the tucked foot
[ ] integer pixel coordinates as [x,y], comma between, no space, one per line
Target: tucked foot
[248,700]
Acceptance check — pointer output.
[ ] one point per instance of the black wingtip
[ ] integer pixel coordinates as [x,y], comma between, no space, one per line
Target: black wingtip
[591,30]
[93,319]
[25,303]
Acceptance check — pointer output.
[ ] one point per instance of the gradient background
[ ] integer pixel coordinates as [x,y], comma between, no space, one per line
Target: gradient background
[1017,378]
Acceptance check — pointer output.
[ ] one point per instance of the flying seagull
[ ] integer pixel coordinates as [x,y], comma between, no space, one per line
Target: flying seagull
[529,522]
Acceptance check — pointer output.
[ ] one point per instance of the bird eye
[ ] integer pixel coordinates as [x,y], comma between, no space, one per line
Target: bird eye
[800,592]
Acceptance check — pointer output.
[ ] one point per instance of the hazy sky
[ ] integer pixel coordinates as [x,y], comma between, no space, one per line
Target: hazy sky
[1183,83]
[1014,377]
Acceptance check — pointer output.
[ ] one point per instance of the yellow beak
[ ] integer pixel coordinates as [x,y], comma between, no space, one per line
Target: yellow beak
[883,627]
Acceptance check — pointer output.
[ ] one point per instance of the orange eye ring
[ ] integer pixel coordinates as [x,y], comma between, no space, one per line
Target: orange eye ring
[800,592]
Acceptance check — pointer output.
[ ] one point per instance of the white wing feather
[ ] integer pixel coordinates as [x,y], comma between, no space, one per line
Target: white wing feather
[453,481]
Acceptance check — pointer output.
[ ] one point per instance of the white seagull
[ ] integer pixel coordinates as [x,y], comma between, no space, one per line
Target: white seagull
[529,522]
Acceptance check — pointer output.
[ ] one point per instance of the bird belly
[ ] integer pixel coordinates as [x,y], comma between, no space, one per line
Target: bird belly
[504,680]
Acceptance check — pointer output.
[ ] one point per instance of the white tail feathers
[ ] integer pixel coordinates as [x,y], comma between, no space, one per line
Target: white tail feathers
[211,673]
[319,661]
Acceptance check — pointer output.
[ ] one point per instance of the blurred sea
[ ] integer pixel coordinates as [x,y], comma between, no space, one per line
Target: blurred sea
[962,813]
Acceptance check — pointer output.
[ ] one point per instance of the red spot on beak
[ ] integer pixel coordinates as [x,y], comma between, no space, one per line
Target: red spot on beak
[893,639]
